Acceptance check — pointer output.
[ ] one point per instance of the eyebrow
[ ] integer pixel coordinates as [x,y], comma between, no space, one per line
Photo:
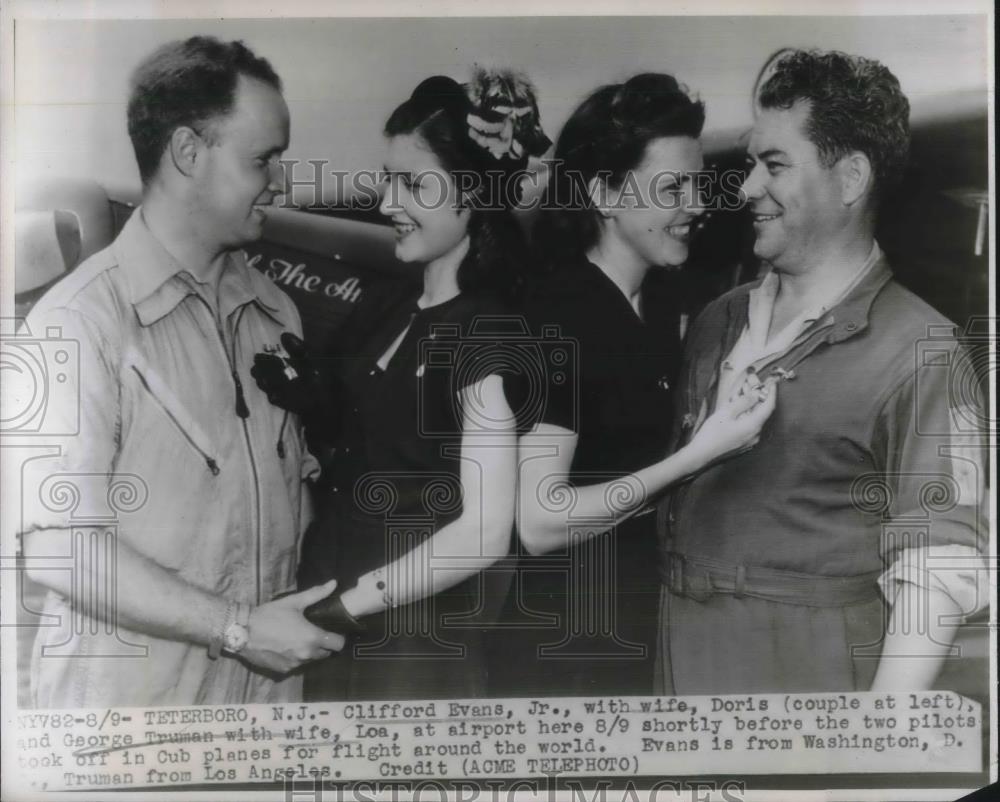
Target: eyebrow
[769,154]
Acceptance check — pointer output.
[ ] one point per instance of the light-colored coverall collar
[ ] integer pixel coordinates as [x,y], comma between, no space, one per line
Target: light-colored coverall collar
[157,282]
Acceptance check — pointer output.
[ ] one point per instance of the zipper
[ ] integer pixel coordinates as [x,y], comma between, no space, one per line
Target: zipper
[280,446]
[784,364]
[243,412]
[210,461]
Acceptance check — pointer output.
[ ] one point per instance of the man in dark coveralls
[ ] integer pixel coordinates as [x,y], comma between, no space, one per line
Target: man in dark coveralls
[843,549]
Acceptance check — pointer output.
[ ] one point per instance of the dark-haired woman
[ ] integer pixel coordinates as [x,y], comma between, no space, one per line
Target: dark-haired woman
[619,211]
[419,495]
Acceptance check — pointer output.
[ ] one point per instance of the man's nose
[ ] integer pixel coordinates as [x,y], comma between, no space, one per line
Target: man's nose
[278,182]
[753,184]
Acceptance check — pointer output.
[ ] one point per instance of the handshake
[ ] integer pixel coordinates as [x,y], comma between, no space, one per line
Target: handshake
[279,639]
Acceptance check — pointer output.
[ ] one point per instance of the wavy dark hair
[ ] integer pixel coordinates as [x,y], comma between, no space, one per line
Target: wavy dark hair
[607,135]
[187,83]
[855,104]
[436,112]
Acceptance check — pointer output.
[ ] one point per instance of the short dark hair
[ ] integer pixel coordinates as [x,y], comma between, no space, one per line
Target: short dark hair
[190,83]
[855,104]
[607,135]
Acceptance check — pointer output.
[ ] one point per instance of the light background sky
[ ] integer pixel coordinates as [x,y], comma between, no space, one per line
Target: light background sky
[344,76]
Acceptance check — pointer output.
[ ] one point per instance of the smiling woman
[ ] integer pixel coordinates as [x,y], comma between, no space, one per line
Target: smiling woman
[617,214]
[419,425]
[422,201]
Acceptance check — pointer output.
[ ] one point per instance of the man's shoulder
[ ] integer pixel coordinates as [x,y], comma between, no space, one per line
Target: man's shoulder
[94,290]
[736,295]
[900,310]
[719,313]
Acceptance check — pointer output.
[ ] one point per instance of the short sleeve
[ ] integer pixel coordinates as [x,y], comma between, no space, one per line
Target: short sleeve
[542,369]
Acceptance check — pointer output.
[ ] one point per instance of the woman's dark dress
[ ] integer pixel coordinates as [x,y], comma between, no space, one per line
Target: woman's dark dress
[585,622]
[392,481]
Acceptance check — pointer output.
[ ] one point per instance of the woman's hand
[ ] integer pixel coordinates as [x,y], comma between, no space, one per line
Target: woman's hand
[737,422]
[281,639]
[288,376]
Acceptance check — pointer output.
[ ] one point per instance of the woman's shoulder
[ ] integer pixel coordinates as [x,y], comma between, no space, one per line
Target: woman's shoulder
[377,305]
[478,312]
[570,297]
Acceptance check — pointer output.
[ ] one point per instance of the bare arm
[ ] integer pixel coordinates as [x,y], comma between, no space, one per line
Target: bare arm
[481,534]
[546,454]
[921,629]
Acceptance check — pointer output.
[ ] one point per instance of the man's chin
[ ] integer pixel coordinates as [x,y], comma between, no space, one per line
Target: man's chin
[254,232]
[762,250]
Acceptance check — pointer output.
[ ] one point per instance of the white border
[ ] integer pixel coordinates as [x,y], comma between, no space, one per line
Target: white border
[12,10]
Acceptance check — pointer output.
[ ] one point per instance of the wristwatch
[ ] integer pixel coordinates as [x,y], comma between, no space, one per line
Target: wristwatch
[237,632]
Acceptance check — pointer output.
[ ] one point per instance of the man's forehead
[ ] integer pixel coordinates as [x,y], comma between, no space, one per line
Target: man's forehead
[780,129]
[259,116]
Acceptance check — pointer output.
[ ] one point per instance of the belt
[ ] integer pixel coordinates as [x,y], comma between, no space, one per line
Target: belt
[699,578]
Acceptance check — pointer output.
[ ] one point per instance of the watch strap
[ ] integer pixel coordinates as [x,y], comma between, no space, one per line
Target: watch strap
[237,633]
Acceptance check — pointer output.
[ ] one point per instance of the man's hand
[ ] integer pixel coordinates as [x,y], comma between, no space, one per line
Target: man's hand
[280,637]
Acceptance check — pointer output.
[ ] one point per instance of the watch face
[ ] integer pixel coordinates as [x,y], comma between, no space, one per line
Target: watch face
[235,638]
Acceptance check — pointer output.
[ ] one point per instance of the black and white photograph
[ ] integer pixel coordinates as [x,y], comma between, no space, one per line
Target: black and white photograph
[483,402]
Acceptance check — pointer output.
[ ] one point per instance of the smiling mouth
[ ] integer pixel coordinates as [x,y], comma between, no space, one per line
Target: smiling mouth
[765,218]
[403,229]
[679,232]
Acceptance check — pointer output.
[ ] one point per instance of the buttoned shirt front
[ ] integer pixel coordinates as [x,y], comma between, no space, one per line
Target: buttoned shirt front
[173,448]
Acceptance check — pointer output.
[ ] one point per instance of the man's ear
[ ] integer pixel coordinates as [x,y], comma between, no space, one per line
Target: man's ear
[599,193]
[185,149]
[856,177]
